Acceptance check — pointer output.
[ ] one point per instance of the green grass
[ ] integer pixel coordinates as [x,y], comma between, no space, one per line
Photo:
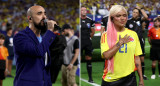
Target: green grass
[98,71]
[9,81]
[97,32]
[97,68]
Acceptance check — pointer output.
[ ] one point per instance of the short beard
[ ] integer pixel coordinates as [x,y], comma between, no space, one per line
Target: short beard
[67,34]
[83,15]
[39,26]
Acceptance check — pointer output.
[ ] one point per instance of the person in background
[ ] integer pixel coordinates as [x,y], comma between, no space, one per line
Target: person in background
[70,58]
[135,24]
[9,44]
[120,48]
[3,59]
[87,32]
[154,41]
[104,21]
[56,50]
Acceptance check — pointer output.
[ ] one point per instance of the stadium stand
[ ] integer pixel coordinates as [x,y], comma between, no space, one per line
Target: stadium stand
[13,12]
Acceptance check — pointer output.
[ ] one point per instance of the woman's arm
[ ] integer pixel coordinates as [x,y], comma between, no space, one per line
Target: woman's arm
[139,70]
[143,12]
[112,51]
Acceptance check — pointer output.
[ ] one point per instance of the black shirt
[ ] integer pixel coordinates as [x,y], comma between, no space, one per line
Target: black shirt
[9,44]
[56,49]
[135,25]
[104,22]
[76,46]
[58,45]
[86,25]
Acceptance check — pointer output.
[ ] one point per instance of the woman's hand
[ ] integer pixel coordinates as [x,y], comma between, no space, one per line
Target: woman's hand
[124,40]
[141,83]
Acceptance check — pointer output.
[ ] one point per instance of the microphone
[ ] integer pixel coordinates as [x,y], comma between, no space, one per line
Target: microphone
[56,27]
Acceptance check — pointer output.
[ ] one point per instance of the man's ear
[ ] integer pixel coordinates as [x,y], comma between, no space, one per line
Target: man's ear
[29,18]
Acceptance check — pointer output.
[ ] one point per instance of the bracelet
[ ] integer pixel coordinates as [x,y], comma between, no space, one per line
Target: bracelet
[118,44]
[71,65]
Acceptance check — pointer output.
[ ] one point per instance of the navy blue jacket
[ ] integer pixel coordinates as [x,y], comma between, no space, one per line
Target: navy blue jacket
[30,60]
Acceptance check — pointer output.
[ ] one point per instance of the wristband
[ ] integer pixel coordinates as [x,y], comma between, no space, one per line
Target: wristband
[71,65]
[118,44]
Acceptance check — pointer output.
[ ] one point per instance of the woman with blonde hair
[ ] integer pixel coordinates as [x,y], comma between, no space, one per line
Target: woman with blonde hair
[120,48]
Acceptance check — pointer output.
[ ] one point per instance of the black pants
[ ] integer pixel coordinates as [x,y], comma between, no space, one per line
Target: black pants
[55,68]
[129,80]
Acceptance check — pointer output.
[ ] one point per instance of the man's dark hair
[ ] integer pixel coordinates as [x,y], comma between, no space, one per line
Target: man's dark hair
[83,6]
[8,29]
[66,26]
[2,36]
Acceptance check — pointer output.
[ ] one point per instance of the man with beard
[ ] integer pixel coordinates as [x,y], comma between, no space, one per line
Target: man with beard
[70,58]
[32,50]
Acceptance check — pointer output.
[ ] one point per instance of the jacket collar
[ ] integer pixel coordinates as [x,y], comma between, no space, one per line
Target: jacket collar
[32,35]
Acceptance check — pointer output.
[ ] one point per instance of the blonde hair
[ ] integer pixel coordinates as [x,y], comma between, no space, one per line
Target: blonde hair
[115,9]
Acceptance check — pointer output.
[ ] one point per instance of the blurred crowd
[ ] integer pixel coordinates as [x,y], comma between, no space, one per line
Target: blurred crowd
[13,12]
[152,7]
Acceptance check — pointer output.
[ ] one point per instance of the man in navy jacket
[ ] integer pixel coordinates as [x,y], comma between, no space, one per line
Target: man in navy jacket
[32,50]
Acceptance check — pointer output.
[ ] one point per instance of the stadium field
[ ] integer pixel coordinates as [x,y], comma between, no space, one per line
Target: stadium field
[97,68]
[9,81]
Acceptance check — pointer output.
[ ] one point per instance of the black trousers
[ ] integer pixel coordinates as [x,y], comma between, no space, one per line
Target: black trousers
[129,80]
[55,68]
